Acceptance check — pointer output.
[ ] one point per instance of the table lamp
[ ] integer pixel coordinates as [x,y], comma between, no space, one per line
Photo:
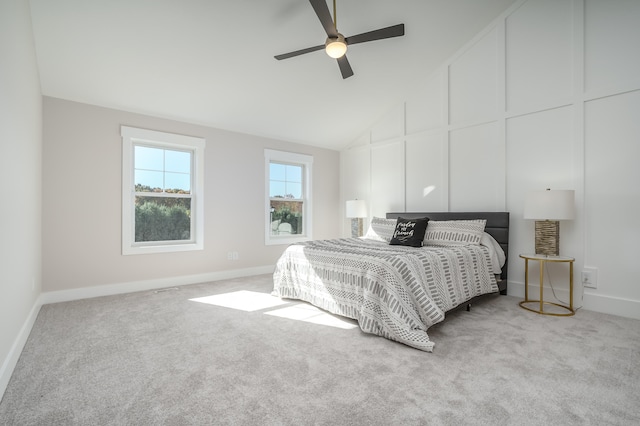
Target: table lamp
[547,208]
[356,210]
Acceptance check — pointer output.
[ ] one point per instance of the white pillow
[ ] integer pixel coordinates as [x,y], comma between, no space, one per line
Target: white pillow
[381,229]
[448,233]
[495,251]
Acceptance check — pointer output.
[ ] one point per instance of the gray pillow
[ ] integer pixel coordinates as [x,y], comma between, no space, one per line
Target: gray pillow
[381,229]
[447,233]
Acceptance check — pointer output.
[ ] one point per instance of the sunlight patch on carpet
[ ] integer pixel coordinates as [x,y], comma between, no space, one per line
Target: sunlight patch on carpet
[308,313]
[250,301]
[243,300]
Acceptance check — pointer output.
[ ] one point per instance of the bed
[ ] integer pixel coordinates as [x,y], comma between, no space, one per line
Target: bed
[399,291]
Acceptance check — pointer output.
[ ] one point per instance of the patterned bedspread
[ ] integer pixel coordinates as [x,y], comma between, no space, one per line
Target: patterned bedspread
[392,291]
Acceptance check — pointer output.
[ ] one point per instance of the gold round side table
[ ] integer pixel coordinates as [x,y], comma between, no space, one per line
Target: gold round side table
[542,260]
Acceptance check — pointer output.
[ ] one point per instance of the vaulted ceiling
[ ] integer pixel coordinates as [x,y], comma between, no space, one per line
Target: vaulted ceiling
[211,62]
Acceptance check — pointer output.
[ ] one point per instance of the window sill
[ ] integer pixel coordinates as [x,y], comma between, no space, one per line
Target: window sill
[167,248]
[277,240]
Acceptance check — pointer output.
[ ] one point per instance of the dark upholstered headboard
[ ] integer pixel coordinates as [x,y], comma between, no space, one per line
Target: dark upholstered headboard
[497,226]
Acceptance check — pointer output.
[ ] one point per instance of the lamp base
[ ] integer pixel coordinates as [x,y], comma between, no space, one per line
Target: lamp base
[356,227]
[548,237]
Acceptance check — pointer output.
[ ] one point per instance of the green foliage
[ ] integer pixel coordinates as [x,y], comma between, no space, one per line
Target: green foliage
[285,215]
[162,219]
[147,188]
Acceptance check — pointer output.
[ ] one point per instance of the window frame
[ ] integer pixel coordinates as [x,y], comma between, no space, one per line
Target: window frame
[132,137]
[306,161]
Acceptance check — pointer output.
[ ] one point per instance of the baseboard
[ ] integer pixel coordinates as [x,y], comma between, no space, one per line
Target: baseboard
[588,299]
[10,362]
[154,284]
[612,305]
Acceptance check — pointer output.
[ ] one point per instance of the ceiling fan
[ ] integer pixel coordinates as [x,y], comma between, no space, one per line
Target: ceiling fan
[336,44]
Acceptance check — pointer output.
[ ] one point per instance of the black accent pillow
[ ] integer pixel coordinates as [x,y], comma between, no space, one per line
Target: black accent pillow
[409,232]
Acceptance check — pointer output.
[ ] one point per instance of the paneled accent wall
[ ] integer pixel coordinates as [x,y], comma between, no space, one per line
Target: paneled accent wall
[539,56]
[473,94]
[387,183]
[548,96]
[355,178]
[426,187]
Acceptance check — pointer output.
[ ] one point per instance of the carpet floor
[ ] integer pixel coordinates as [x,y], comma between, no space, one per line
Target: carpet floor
[227,352]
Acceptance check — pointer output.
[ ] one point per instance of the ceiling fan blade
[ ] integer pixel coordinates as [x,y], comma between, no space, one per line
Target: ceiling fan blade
[299,52]
[382,33]
[345,67]
[322,10]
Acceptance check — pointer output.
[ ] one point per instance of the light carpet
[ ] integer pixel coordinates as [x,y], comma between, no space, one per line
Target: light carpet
[222,353]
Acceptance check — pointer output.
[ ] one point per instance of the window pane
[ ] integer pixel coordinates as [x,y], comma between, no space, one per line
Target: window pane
[277,171]
[148,181]
[177,183]
[294,190]
[148,158]
[158,170]
[177,161]
[162,219]
[277,189]
[294,174]
[285,181]
[286,217]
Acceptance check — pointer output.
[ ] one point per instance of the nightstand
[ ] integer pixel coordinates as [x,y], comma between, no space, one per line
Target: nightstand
[542,260]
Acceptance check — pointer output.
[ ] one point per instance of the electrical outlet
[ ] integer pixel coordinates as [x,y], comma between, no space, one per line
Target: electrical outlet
[590,278]
[232,255]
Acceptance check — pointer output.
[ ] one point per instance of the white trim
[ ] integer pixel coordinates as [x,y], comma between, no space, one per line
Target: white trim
[307,221]
[611,305]
[10,362]
[153,284]
[131,135]
[604,304]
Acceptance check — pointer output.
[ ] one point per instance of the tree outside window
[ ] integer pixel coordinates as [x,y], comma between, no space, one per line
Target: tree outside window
[285,193]
[162,194]
[288,197]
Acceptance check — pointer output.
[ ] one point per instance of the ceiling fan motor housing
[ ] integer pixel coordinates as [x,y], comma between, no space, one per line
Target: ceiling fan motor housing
[336,47]
[336,44]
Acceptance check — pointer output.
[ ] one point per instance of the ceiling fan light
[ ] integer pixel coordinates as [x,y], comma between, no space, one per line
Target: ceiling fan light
[336,47]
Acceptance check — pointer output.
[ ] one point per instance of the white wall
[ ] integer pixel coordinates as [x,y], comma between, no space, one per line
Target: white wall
[20,174]
[82,202]
[548,96]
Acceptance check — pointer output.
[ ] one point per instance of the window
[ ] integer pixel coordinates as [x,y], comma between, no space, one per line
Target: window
[162,191]
[288,197]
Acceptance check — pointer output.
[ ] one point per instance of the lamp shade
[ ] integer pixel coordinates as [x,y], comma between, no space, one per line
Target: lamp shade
[550,205]
[356,208]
